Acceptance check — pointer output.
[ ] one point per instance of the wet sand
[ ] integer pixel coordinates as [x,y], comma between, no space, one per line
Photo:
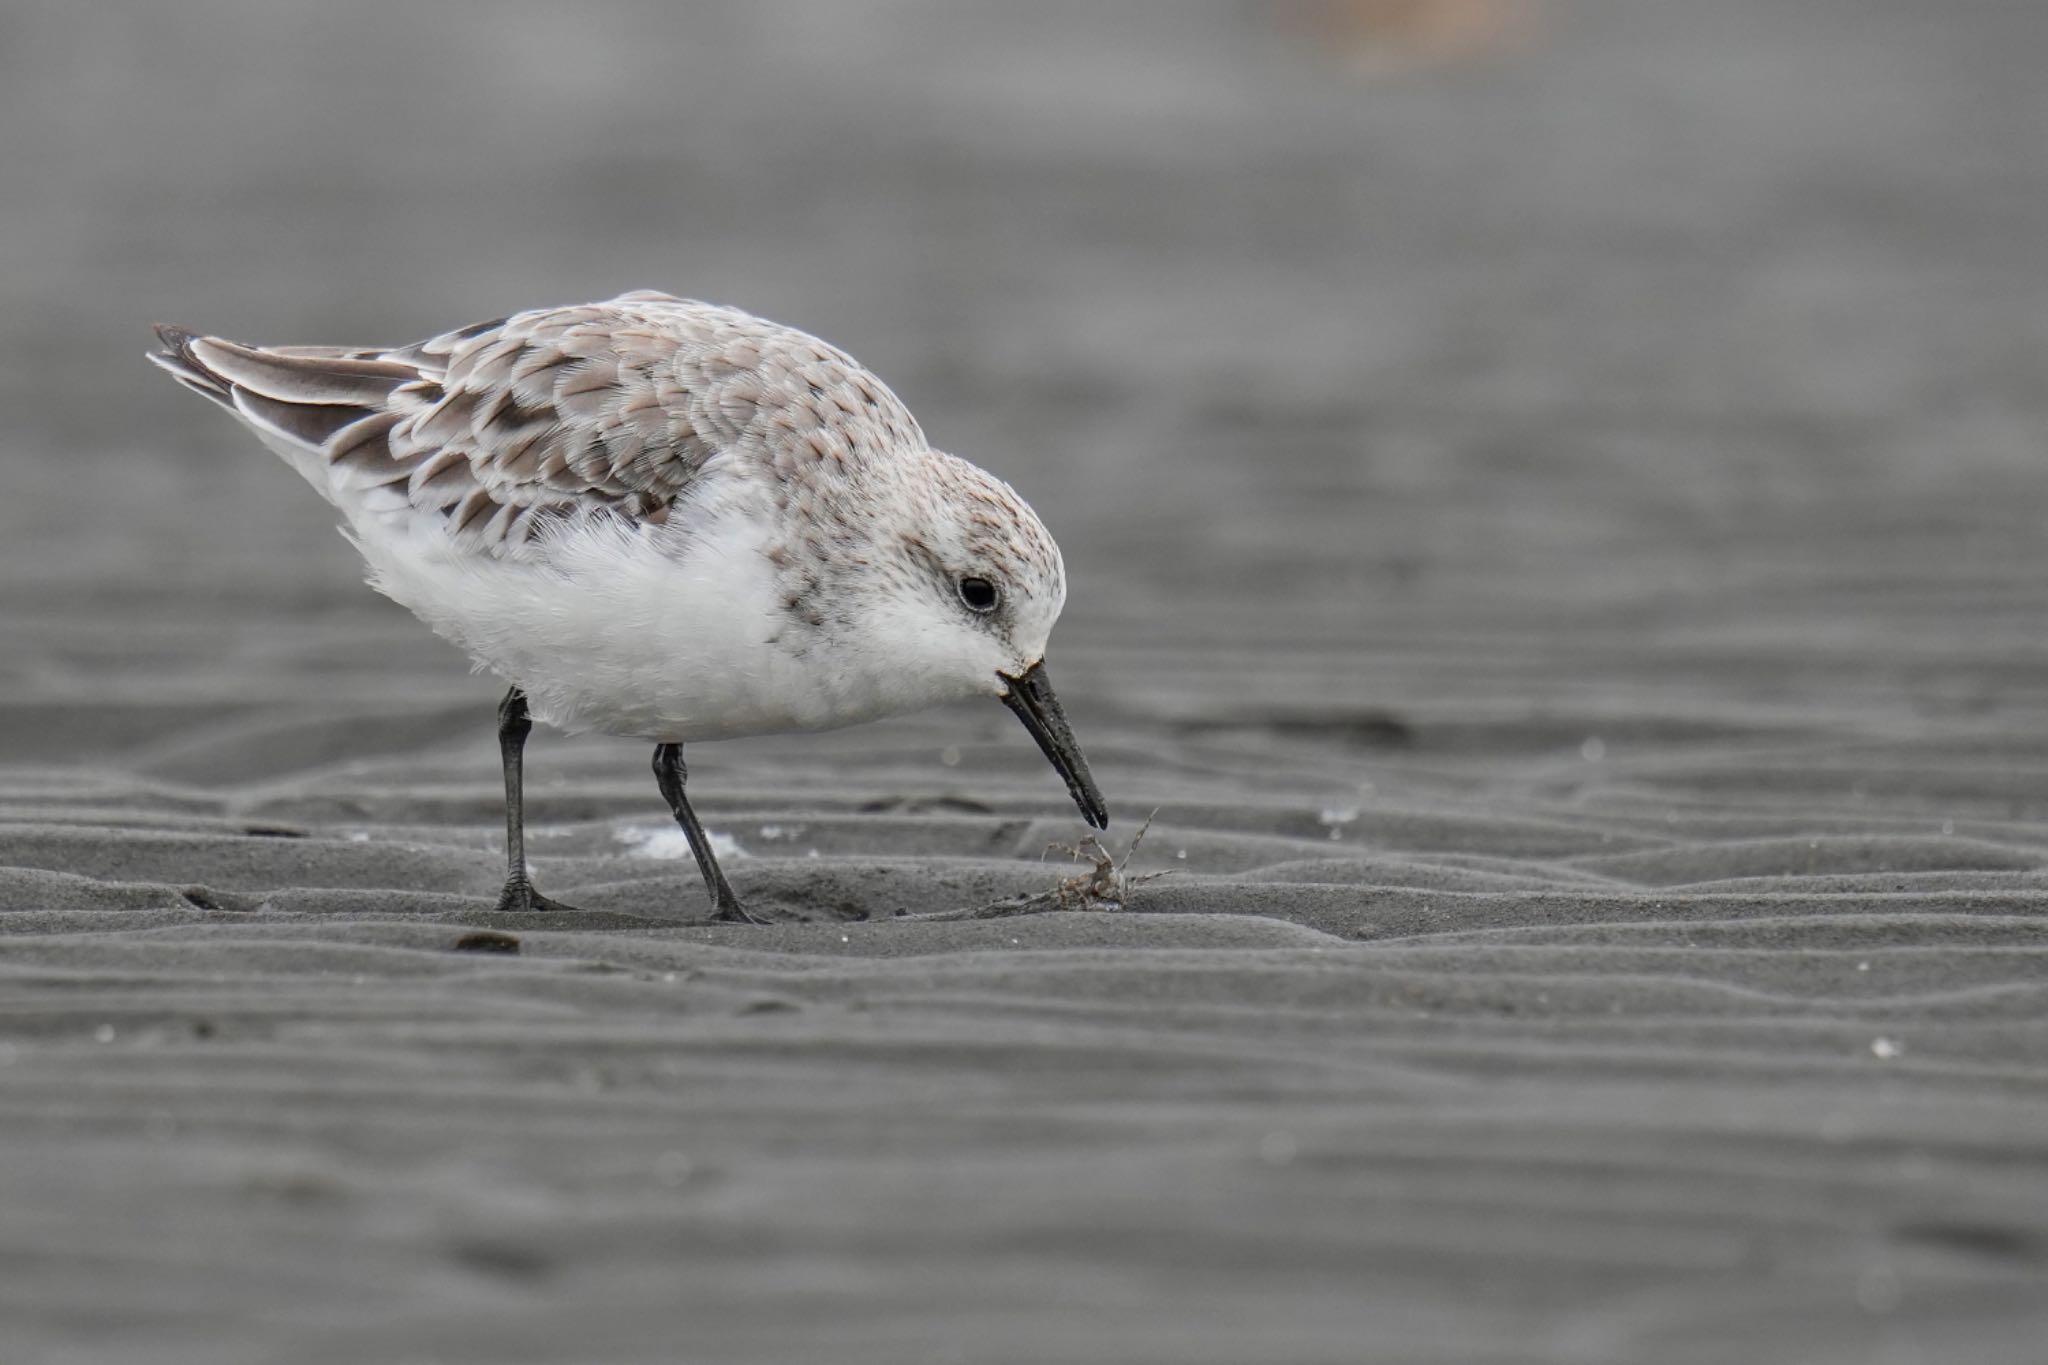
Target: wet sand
[1557,549]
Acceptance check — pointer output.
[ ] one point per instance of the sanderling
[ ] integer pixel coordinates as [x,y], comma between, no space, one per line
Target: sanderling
[668,520]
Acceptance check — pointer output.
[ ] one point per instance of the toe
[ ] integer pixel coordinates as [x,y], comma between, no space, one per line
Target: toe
[521,898]
[732,912]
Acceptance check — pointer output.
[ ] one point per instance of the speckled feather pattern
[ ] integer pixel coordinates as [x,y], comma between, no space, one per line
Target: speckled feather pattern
[660,517]
[503,426]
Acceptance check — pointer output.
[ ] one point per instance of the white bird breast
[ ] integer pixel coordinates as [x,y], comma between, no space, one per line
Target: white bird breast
[673,634]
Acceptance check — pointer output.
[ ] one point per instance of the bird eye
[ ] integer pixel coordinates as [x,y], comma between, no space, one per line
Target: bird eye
[979,594]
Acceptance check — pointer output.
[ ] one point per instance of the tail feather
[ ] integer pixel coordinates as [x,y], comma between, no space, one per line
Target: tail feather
[176,358]
[302,395]
[310,424]
[341,380]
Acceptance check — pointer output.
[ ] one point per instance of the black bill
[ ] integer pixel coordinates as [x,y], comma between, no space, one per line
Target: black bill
[1030,696]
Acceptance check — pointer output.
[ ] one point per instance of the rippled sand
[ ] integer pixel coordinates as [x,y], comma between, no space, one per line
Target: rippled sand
[1574,614]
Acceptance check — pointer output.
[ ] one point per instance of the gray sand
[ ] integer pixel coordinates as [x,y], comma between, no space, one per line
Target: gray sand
[1557,538]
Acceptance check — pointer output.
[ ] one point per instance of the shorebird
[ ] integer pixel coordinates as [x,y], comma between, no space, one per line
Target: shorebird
[664,519]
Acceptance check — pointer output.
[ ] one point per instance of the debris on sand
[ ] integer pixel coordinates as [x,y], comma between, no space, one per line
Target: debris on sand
[1103,885]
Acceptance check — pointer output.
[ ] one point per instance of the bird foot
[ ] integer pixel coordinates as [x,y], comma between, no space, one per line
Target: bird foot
[730,911]
[519,896]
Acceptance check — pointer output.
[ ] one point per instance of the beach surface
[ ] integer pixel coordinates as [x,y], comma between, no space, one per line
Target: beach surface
[1555,515]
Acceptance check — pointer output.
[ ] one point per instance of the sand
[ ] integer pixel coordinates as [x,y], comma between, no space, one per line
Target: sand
[1557,552]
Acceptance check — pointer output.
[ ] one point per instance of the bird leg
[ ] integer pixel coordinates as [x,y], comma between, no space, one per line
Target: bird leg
[513,728]
[670,773]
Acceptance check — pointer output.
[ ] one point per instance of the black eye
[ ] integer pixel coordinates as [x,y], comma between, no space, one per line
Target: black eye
[979,594]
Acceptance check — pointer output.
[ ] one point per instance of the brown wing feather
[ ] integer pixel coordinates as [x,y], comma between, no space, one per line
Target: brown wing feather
[505,426]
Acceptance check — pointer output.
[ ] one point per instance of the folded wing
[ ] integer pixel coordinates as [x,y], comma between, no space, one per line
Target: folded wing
[497,430]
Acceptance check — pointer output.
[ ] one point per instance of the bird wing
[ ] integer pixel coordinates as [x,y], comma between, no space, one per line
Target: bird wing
[502,428]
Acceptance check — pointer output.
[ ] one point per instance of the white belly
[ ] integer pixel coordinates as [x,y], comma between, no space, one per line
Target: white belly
[671,638]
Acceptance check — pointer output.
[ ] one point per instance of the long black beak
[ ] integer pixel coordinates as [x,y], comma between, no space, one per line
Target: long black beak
[1030,696]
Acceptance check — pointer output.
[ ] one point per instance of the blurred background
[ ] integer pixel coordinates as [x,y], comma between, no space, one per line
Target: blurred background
[1520,370]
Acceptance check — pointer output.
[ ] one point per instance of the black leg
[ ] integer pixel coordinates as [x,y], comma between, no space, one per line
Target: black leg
[670,773]
[513,728]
